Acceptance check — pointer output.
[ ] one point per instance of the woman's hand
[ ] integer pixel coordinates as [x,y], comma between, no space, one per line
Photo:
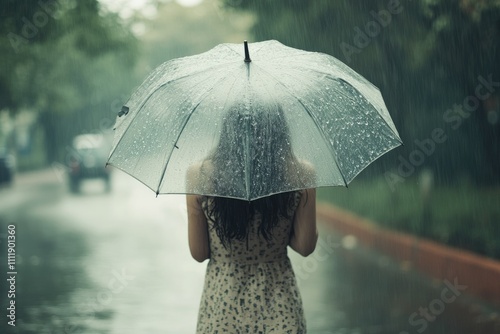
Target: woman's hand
[305,232]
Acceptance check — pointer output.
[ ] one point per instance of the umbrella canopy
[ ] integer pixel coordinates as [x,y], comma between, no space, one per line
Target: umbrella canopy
[250,122]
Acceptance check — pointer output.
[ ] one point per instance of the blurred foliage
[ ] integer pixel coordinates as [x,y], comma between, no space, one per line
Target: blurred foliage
[177,31]
[67,61]
[464,217]
[425,56]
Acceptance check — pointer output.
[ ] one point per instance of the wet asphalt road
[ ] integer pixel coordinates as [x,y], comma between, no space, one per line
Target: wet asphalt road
[118,262]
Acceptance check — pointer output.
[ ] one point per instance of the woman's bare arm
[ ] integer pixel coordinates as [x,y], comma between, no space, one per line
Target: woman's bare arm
[197,229]
[305,232]
[197,223]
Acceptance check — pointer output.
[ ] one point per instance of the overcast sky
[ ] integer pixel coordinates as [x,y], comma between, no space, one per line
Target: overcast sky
[126,8]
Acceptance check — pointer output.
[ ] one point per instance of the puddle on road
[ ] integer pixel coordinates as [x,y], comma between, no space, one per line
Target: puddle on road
[119,263]
[105,263]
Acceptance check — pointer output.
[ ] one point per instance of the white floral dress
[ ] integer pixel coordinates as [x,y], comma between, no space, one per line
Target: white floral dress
[250,287]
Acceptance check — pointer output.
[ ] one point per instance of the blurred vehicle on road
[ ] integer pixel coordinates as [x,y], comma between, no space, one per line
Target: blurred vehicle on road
[7,167]
[88,160]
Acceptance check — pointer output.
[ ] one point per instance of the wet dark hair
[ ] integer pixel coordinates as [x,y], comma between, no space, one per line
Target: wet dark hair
[231,216]
[267,132]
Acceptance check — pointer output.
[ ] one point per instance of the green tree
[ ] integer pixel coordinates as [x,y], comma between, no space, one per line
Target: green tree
[425,56]
[67,60]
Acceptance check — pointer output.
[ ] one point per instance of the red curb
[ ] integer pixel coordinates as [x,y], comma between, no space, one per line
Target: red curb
[481,275]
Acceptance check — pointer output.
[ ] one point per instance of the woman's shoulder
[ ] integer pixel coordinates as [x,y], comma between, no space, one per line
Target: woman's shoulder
[197,173]
[306,165]
[306,173]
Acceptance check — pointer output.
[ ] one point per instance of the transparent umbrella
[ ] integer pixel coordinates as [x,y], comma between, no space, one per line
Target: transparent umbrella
[247,121]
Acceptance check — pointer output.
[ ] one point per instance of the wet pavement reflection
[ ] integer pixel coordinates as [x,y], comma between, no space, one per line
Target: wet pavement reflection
[119,262]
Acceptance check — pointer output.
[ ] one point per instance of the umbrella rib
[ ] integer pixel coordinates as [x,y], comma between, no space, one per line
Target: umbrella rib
[170,154]
[331,77]
[247,159]
[314,120]
[323,135]
[127,172]
[150,95]
[323,59]
[378,113]
[189,76]
[180,133]
[342,68]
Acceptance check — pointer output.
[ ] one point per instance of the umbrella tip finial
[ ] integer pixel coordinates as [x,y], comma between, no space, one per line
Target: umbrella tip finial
[247,54]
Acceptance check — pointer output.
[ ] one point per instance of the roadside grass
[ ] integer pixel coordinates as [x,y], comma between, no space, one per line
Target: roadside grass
[461,216]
